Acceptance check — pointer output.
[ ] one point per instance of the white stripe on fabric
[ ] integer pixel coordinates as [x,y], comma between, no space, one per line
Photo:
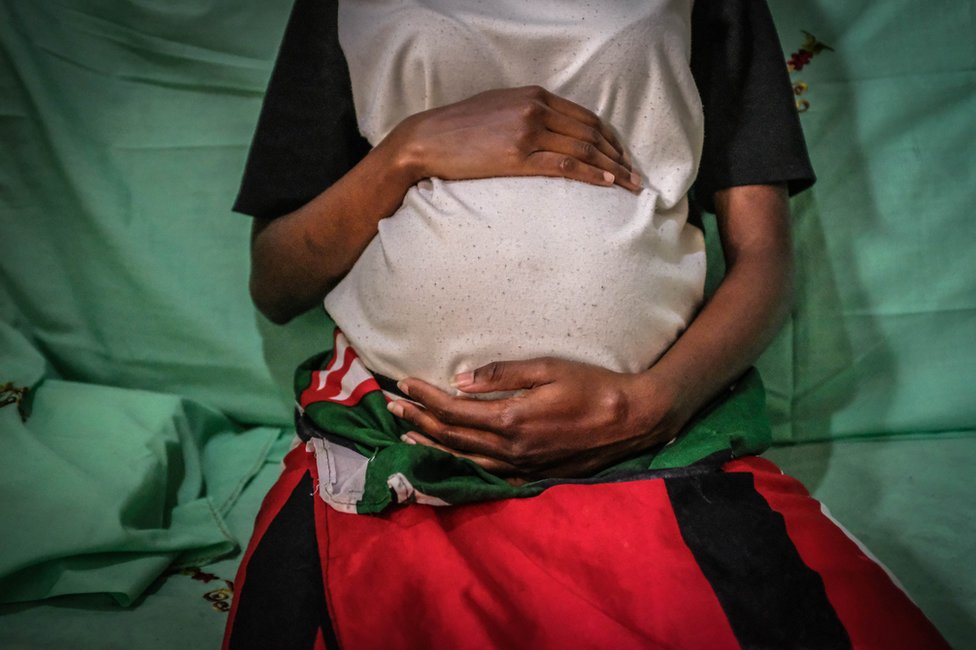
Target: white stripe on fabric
[351,373]
[866,551]
[344,380]
[406,493]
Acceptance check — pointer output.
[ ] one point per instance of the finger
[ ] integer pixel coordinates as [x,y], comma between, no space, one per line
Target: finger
[493,465]
[591,155]
[569,126]
[447,409]
[506,376]
[559,165]
[458,437]
[574,467]
[584,115]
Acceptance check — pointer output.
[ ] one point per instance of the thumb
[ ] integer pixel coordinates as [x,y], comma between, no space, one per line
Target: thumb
[505,375]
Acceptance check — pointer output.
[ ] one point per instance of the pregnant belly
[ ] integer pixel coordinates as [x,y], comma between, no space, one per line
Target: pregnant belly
[468,272]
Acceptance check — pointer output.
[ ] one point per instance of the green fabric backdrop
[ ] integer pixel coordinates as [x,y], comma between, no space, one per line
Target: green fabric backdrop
[123,130]
[882,340]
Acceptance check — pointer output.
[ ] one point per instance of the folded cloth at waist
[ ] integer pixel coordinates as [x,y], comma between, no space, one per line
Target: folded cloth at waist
[364,467]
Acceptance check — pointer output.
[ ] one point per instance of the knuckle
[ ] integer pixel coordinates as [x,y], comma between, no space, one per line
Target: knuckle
[438,412]
[409,412]
[524,139]
[593,135]
[613,405]
[509,419]
[567,164]
[531,111]
[526,458]
[590,119]
[489,373]
[586,150]
[536,92]
[548,365]
[509,458]
[516,454]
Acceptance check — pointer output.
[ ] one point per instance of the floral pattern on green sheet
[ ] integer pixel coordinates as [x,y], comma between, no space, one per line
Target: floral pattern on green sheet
[17,395]
[219,598]
[798,60]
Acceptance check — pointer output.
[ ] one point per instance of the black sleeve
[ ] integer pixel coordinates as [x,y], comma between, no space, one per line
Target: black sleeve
[752,128]
[307,136]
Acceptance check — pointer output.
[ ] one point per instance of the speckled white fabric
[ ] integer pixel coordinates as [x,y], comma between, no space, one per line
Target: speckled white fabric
[467,272]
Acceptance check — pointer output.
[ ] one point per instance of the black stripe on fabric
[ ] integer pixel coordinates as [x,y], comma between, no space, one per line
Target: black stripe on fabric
[282,602]
[706,465]
[306,429]
[771,598]
[389,385]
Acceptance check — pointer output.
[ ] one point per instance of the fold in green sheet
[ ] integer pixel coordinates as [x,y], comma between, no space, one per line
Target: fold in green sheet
[105,488]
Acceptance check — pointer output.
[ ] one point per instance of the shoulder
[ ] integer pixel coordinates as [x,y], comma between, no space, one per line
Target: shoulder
[753,134]
[307,136]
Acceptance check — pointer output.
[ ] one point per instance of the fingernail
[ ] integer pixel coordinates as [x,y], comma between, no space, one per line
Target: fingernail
[608,177]
[635,179]
[402,385]
[396,408]
[407,439]
[463,380]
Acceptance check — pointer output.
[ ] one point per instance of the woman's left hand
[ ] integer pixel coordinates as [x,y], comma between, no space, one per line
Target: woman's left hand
[570,418]
[573,419]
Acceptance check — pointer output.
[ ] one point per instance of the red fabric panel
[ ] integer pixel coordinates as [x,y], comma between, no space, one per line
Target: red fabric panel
[320,641]
[296,465]
[545,572]
[875,612]
[322,511]
[553,571]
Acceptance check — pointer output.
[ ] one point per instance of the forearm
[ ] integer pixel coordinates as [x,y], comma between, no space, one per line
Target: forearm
[297,258]
[743,315]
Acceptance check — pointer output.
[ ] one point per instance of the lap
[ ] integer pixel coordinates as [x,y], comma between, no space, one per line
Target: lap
[741,557]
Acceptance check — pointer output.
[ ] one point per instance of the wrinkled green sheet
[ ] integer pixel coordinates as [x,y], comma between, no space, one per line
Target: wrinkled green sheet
[881,340]
[104,488]
[123,295]
[174,611]
[123,130]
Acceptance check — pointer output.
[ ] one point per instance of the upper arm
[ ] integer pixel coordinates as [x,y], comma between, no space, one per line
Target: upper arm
[307,136]
[752,129]
[258,226]
[754,224]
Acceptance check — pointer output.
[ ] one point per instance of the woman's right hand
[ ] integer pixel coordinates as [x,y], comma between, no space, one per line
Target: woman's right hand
[513,132]
[297,258]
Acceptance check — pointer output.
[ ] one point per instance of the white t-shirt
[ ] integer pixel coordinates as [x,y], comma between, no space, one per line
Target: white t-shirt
[467,272]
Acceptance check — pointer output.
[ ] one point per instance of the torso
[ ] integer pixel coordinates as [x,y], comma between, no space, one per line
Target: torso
[467,272]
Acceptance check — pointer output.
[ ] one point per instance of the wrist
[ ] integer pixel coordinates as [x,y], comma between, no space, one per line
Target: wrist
[659,409]
[405,154]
